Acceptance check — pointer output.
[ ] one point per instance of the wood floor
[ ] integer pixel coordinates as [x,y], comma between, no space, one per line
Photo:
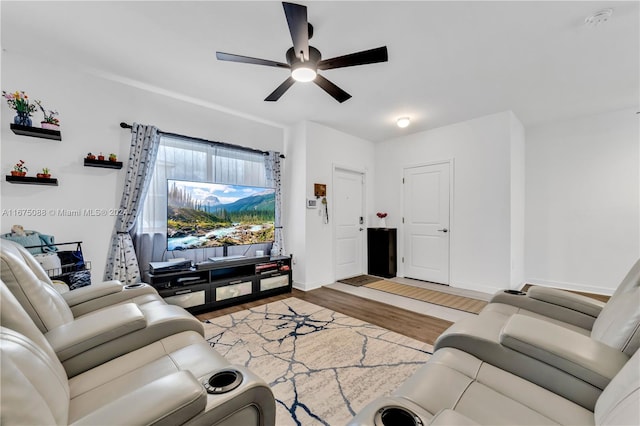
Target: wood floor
[420,327]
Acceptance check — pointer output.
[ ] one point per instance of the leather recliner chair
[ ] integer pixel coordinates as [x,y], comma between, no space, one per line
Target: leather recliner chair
[561,307]
[85,341]
[577,365]
[455,388]
[84,299]
[511,365]
[159,384]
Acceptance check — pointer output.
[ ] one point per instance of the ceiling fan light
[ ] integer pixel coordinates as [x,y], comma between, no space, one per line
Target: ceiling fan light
[303,74]
[403,122]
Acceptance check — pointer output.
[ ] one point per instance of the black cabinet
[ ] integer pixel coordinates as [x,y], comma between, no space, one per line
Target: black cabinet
[382,251]
[213,285]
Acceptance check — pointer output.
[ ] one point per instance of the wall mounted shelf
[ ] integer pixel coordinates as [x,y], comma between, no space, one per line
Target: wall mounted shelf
[29,180]
[36,132]
[103,163]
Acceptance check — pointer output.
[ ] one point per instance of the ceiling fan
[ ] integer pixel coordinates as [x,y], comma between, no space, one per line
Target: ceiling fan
[304,61]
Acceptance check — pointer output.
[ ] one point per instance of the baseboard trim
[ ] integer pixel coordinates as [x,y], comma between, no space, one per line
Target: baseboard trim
[570,286]
[489,289]
[303,287]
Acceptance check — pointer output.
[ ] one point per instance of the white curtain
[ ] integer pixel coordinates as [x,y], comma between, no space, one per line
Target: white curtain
[192,160]
[122,263]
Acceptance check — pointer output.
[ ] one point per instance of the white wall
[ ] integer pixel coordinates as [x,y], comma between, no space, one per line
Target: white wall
[323,149]
[583,202]
[91,109]
[518,188]
[294,188]
[482,205]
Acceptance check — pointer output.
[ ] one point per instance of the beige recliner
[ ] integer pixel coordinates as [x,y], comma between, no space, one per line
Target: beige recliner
[565,308]
[85,341]
[455,388]
[550,358]
[84,299]
[161,383]
[575,363]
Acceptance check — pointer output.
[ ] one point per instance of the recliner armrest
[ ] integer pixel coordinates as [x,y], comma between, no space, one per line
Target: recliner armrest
[94,329]
[172,399]
[553,310]
[578,355]
[480,337]
[575,302]
[101,295]
[94,291]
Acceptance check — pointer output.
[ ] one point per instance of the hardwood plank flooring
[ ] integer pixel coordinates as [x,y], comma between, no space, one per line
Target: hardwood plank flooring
[424,328]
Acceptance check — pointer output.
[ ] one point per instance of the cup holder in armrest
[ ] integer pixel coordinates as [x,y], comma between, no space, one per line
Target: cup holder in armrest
[132,286]
[396,416]
[516,292]
[223,381]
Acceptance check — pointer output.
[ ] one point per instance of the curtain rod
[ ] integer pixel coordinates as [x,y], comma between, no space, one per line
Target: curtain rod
[226,145]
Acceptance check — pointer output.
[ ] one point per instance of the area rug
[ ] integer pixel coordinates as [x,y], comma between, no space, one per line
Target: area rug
[460,303]
[322,366]
[360,280]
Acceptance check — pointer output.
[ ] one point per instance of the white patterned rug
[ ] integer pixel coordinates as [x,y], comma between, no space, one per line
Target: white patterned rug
[322,366]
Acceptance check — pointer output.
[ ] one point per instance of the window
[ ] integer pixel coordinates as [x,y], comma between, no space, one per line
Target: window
[187,159]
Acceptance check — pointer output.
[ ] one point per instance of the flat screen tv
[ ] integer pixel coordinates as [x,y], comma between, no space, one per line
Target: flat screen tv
[204,214]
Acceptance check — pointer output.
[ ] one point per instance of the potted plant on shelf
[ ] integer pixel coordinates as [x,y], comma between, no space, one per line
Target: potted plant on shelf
[19,169]
[100,157]
[113,157]
[90,156]
[44,175]
[50,121]
[19,101]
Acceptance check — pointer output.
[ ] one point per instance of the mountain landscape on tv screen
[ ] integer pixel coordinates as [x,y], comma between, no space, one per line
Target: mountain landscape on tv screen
[213,215]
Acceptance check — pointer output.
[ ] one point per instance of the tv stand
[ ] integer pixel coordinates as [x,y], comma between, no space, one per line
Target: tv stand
[230,281]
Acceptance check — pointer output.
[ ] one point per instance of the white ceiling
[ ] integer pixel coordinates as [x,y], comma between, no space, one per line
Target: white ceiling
[449,61]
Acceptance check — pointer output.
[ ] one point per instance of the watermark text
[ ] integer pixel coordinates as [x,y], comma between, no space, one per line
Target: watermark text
[63,212]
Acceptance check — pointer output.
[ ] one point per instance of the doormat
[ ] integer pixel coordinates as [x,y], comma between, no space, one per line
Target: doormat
[360,280]
[452,301]
[322,366]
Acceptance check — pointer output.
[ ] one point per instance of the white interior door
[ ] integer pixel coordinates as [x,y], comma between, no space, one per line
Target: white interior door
[348,213]
[426,222]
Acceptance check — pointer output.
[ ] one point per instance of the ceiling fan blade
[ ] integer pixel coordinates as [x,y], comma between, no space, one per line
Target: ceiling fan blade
[371,56]
[249,60]
[298,27]
[337,93]
[275,95]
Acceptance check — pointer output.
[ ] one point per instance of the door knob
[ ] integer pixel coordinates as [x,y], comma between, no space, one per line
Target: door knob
[443,230]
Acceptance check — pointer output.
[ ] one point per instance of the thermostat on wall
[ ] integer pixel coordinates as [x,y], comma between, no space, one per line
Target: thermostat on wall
[312,203]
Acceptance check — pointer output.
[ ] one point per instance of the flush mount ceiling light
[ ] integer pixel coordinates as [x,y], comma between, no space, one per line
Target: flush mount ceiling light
[600,17]
[403,122]
[304,70]
[303,74]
